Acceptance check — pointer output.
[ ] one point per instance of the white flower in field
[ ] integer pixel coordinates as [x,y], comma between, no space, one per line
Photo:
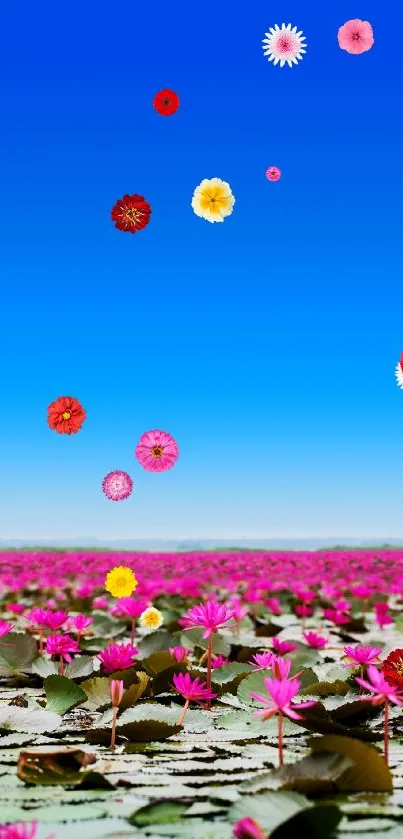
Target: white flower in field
[285,45]
[399,372]
[151,618]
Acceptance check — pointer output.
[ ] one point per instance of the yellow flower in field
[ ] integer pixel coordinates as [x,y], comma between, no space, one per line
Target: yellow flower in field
[121,582]
[151,618]
[213,200]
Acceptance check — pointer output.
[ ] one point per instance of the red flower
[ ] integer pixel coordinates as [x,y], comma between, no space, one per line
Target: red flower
[131,213]
[392,668]
[66,415]
[166,102]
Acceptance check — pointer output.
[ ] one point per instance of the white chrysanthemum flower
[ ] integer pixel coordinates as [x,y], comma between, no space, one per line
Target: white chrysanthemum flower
[284,45]
[399,375]
[213,200]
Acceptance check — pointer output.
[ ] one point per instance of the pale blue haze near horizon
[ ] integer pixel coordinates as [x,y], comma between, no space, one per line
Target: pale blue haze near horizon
[266,345]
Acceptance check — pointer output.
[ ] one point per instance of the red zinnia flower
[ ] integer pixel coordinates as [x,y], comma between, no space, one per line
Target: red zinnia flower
[131,213]
[66,415]
[392,668]
[166,102]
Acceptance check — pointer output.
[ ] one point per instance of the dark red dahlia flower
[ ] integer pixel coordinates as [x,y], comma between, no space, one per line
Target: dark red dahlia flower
[392,668]
[66,415]
[131,213]
[166,102]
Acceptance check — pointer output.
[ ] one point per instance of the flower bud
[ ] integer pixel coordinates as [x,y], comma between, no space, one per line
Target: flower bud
[116,690]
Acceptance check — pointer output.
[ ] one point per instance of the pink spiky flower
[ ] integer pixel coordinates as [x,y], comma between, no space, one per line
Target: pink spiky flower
[117,485]
[219,661]
[248,829]
[314,640]
[21,830]
[361,655]
[383,694]
[211,616]
[55,620]
[179,653]
[262,661]
[399,372]
[117,657]
[80,623]
[273,605]
[5,628]
[281,693]
[382,614]
[192,690]
[283,647]
[61,645]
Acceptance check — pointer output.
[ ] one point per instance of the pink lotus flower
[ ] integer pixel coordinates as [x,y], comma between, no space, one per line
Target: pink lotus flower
[55,620]
[342,605]
[16,608]
[219,661]
[382,614]
[248,829]
[281,668]
[100,603]
[281,693]
[192,689]
[179,653]
[23,830]
[61,645]
[361,655]
[116,688]
[37,617]
[5,628]
[361,591]
[314,640]
[336,617]
[262,661]
[283,647]
[211,616]
[356,36]
[274,606]
[157,451]
[117,657]
[383,694]
[129,607]
[303,611]
[239,610]
[80,623]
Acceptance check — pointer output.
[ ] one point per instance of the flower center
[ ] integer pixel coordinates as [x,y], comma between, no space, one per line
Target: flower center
[157,451]
[132,214]
[166,102]
[284,44]
[121,581]
[356,36]
[66,415]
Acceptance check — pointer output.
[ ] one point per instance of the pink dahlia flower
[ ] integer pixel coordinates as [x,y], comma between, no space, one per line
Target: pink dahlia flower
[61,645]
[356,36]
[211,616]
[117,657]
[281,693]
[157,451]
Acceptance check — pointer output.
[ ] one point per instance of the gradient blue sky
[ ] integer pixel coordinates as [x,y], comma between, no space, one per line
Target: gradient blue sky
[267,344]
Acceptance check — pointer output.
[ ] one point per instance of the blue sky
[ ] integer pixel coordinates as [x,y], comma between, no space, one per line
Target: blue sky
[267,344]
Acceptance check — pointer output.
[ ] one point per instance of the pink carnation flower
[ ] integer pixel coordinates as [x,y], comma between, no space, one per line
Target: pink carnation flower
[356,36]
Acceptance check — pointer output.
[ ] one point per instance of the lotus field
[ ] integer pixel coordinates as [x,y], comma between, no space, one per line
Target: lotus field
[204,695]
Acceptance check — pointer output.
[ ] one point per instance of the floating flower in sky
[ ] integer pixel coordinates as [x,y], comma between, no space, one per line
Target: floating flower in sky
[213,200]
[356,36]
[157,451]
[151,618]
[117,657]
[248,829]
[121,582]
[273,173]
[66,415]
[117,485]
[192,690]
[166,102]
[20,830]
[285,45]
[131,213]
[392,668]
[399,372]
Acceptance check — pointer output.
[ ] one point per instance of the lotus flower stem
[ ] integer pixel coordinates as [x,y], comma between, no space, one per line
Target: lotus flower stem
[41,642]
[132,633]
[113,734]
[209,658]
[61,666]
[361,677]
[386,733]
[280,738]
[183,712]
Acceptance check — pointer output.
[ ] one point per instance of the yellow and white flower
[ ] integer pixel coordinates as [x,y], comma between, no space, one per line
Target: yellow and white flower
[213,200]
[151,618]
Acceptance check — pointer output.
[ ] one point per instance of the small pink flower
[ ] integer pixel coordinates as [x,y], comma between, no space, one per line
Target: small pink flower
[382,614]
[37,617]
[61,645]
[356,36]
[157,451]
[361,591]
[281,693]
[342,605]
[16,608]
[129,607]
[336,617]
[361,655]
[219,661]
[179,653]
[273,173]
[116,687]
[382,690]
[248,829]
[303,611]
[5,628]
[314,640]
[117,485]
[23,830]
[281,667]
[80,623]
[262,661]
[55,620]
[240,611]
[100,603]
[283,647]
[274,606]
[192,689]
[211,616]
[117,657]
